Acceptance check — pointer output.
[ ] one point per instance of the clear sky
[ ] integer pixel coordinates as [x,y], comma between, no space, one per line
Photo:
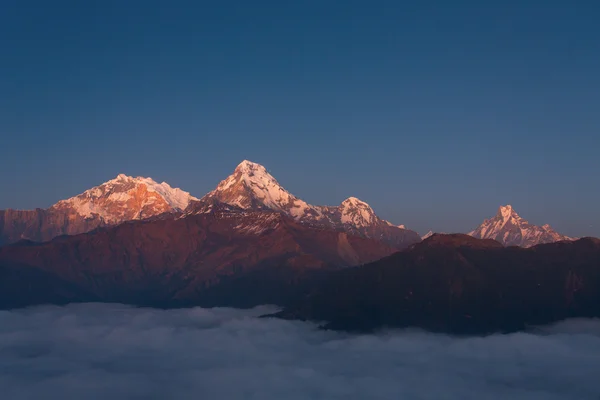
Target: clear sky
[433,112]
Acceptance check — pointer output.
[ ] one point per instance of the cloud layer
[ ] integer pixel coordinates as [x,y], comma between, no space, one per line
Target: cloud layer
[100,351]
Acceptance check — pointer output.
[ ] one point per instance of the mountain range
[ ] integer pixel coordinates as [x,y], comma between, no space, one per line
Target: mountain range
[121,199]
[250,187]
[462,285]
[250,242]
[171,261]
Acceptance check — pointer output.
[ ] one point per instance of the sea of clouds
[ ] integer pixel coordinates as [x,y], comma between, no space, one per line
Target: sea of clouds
[104,351]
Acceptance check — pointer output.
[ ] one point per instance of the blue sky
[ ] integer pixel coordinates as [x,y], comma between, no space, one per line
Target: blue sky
[435,113]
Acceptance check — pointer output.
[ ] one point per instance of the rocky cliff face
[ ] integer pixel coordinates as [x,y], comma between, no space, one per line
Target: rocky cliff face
[121,199]
[42,224]
[510,229]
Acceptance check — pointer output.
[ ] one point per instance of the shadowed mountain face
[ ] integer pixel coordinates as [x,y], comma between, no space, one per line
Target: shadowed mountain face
[510,229]
[227,256]
[459,284]
[121,199]
[22,286]
[224,256]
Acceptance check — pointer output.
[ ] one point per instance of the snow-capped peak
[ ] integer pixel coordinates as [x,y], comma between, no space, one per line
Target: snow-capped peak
[354,202]
[510,229]
[125,198]
[121,177]
[356,212]
[175,197]
[249,168]
[251,185]
[505,211]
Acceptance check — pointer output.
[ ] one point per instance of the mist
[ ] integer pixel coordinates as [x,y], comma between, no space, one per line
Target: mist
[107,351]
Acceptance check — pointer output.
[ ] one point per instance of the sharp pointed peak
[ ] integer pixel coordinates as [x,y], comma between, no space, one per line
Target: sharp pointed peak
[247,172]
[507,212]
[353,201]
[247,165]
[251,171]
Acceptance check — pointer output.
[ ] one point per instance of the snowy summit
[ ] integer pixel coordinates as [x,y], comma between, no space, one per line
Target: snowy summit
[508,228]
[252,187]
[125,198]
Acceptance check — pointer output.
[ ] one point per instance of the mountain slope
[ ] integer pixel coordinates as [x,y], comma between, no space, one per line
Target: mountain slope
[225,256]
[510,229]
[459,284]
[121,199]
[251,187]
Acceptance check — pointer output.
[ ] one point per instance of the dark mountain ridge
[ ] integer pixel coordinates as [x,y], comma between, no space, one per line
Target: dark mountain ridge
[459,284]
[174,260]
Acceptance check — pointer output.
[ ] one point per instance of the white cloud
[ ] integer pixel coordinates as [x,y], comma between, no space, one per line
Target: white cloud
[100,351]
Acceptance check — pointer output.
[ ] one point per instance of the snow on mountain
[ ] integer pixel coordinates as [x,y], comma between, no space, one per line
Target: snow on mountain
[356,212]
[251,186]
[510,229]
[119,200]
[125,198]
[428,234]
[175,197]
[431,233]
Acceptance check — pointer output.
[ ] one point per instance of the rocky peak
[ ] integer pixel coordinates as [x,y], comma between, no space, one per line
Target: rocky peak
[251,186]
[118,200]
[122,177]
[353,201]
[250,168]
[510,229]
[125,198]
[506,212]
[356,212]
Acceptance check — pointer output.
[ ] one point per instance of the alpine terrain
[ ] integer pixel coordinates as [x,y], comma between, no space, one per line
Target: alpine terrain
[251,187]
[224,256]
[508,228]
[121,199]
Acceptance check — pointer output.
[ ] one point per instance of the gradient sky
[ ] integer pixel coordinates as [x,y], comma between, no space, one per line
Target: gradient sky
[435,112]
